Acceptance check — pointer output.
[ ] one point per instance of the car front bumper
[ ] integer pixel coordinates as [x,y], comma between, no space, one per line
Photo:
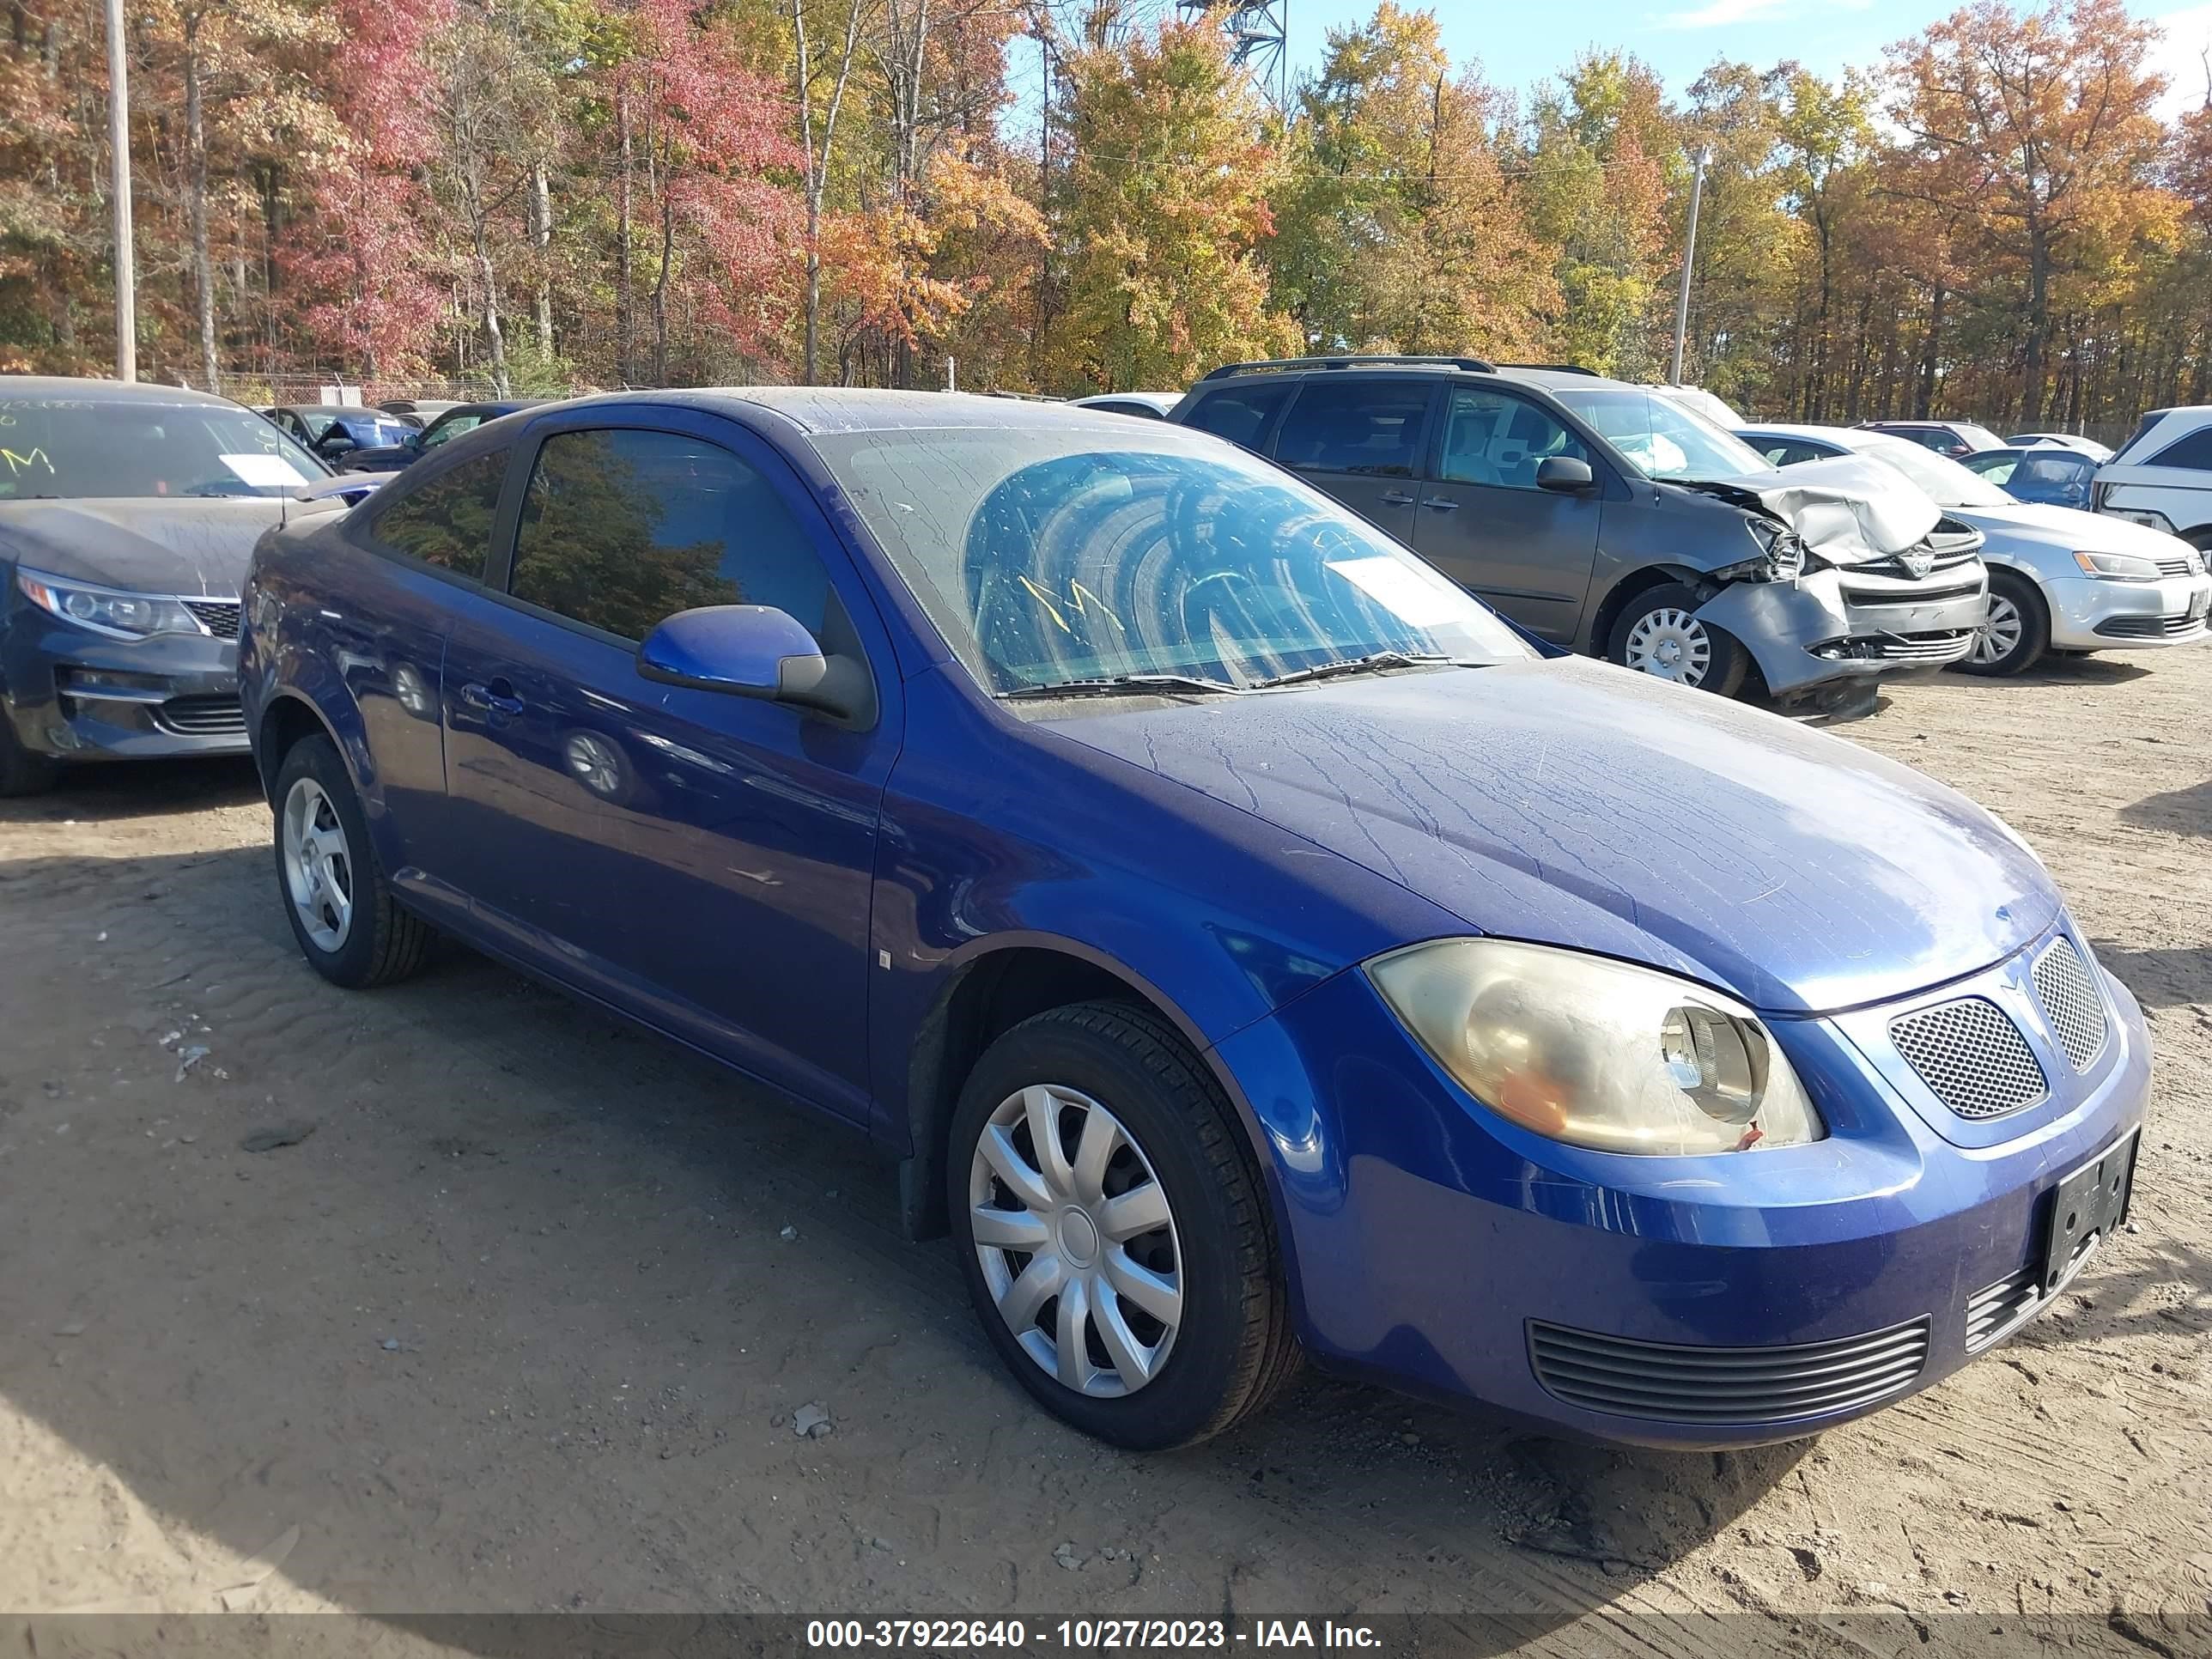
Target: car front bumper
[2087,614]
[76,694]
[1831,624]
[1440,1250]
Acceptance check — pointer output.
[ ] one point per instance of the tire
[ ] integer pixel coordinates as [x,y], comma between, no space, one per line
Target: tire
[350,928]
[22,772]
[1658,634]
[1229,1348]
[2016,632]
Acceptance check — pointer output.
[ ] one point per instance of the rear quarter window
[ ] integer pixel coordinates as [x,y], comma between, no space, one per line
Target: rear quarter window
[1241,414]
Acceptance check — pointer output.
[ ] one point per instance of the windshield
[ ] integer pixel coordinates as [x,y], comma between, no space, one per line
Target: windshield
[1048,557]
[1943,478]
[365,428]
[91,448]
[1663,439]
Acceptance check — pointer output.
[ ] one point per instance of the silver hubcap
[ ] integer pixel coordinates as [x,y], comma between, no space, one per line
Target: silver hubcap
[1671,644]
[1076,1241]
[1998,637]
[318,866]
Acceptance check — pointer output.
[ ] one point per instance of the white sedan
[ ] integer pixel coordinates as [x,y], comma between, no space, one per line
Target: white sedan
[2059,579]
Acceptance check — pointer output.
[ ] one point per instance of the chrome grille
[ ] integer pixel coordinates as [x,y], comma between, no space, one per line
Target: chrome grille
[1943,646]
[1680,1383]
[218,617]
[2070,1002]
[2182,565]
[202,717]
[1993,1307]
[1972,1055]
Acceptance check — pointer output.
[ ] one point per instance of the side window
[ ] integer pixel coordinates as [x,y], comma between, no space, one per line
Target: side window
[1369,427]
[447,520]
[621,529]
[2193,451]
[1495,438]
[1240,413]
[446,431]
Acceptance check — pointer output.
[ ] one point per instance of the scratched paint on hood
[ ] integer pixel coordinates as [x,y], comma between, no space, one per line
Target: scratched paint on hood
[189,546]
[1580,804]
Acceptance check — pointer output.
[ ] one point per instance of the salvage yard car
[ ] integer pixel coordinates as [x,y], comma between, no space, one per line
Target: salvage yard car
[127,514]
[2059,579]
[1248,944]
[1609,519]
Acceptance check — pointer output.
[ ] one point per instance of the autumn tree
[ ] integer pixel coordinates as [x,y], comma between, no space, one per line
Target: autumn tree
[1161,211]
[2043,123]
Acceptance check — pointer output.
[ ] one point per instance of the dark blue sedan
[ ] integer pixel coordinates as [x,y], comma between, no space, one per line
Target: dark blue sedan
[1248,946]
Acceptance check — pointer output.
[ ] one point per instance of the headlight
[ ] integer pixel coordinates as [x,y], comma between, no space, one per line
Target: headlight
[1782,556]
[2118,567]
[1595,1053]
[105,610]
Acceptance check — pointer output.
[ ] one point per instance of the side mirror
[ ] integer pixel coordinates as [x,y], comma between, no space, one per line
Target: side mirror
[335,442]
[1565,475]
[755,651]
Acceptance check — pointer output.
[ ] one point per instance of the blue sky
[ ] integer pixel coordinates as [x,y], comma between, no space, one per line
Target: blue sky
[1679,37]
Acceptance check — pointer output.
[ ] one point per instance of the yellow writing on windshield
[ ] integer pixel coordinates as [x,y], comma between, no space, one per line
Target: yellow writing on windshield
[1081,600]
[24,463]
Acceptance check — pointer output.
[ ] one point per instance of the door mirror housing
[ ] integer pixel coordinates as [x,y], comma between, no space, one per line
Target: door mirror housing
[1565,474]
[335,442]
[756,651]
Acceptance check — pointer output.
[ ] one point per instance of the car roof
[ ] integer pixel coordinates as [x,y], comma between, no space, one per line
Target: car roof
[335,408]
[825,410]
[120,391]
[1833,434]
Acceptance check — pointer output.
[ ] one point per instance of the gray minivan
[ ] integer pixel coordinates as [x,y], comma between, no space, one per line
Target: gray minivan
[1607,520]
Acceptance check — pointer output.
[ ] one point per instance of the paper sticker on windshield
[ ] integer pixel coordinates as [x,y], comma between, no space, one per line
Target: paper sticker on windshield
[1407,594]
[266,471]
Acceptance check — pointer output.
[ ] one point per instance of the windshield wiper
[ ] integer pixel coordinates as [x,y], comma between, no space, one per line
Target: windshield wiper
[1124,685]
[1359,665]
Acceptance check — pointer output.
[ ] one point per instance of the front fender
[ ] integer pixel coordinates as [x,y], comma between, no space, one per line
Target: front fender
[1778,622]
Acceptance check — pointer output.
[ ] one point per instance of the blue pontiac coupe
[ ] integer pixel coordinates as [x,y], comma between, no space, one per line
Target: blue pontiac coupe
[1246,944]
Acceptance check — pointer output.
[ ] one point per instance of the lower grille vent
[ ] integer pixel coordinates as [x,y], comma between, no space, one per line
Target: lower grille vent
[1678,1383]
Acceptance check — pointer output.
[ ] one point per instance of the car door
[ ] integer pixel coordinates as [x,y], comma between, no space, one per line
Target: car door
[432,536]
[701,859]
[1483,522]
[1360,438]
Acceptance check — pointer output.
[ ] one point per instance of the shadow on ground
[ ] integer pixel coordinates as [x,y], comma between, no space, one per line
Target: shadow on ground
[516,1328]
[139,789]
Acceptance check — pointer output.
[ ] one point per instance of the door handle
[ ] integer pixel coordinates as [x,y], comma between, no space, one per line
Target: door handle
[498,695]
[1396,498]
[1440,503]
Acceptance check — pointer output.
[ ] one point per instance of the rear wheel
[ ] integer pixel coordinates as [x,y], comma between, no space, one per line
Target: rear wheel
[1660,635]
[2015,633]
[1113,1232]
[342,910]
[22,772]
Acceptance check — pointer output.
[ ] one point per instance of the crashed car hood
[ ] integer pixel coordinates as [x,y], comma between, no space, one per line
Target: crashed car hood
[1576,804]
[196,547]
[1847,509]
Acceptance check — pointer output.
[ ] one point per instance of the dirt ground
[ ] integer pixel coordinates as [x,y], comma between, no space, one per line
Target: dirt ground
[517,1326]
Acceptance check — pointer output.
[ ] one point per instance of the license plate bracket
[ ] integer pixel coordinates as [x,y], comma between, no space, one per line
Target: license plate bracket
[2199,606]
[2085,1207]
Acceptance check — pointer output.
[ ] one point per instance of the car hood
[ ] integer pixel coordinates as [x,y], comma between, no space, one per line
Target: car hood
[152,546]
[2067,529]
[1576,804]
[1848,509]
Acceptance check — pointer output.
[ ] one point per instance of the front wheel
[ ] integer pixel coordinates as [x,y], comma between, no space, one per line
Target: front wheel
[1113,1232]
[1660,635]
[350,928]
[2015,634]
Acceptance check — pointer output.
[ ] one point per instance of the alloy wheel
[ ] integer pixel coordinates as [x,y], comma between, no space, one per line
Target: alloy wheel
[1670,645]
[318,870]
[1076,1240]
[1999,635]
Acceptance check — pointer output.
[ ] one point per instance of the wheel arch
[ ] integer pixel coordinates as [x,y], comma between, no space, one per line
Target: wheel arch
[1626,592]
[984,996]
[289,717]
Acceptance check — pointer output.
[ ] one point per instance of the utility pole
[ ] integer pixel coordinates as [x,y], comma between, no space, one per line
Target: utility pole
[119,141]
[1705,159]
